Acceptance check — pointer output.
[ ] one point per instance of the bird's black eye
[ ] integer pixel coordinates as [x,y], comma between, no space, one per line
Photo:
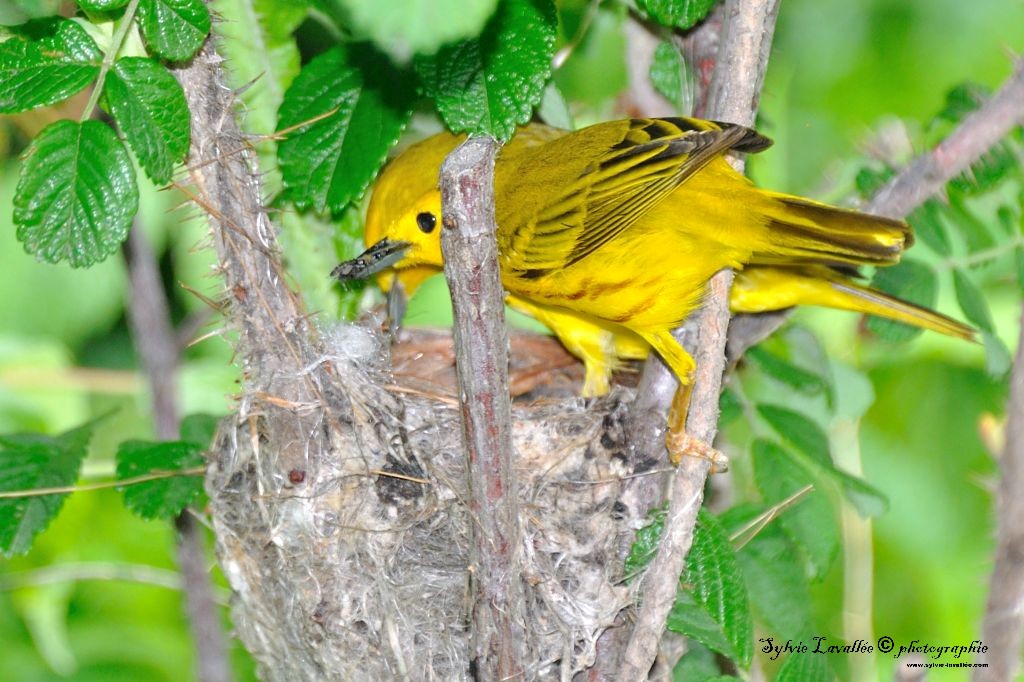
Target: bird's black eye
[426,221]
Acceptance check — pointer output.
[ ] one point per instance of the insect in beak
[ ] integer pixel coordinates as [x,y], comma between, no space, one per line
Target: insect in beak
[381,255]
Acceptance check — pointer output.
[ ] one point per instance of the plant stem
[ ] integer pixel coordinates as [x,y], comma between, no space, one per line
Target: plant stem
[67,489]
[150,321]
[1003,625]
[739,73]
[116,43]
[481,361]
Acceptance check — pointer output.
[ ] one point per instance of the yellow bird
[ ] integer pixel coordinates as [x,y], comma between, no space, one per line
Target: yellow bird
[609,234]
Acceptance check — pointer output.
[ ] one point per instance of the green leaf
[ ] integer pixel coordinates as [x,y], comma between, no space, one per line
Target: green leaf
[975,231]
[646,543]
[972,301]
[666,73]
[406,27]
[328,163]
[800,348]
[101,5]
[76,195]
[729,408]
[162,498]
[689,618]
[1018,254]
[870,180]
[682,14]
[716,586]
[868,500]
[199,429]
[912,281]
[997,356]
[812,442]
[33,461]
[697,665]
[1008,219]
[997,164]
[785,371]
[927,222]
[799,431]
[854,391]
[149,107]
[489,85]
[553,109]
[962,100]
[174,29]
[811,523]
[802,667]
[45,61]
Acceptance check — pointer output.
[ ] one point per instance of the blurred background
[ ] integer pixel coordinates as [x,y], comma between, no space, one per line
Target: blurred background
[847,82]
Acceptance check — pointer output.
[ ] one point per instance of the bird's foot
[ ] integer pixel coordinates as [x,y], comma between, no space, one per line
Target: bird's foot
[681,444]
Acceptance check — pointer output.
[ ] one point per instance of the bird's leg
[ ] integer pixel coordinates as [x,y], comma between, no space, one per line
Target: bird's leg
[396,304]
[681,444]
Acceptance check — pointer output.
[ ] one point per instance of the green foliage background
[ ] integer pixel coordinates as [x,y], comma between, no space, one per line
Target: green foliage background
[839,71]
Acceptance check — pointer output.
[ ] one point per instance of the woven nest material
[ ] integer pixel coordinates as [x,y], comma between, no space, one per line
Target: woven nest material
[356,562]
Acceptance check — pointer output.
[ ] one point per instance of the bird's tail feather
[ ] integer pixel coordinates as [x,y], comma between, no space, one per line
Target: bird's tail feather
[758,289]
[805,231]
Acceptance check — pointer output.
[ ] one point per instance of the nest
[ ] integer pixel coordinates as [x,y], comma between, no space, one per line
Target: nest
[354,562]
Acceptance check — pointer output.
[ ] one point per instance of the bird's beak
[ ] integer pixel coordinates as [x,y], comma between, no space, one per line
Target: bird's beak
[380,256]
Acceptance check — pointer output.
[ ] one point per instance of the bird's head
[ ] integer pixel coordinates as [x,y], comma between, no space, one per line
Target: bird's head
[403,220]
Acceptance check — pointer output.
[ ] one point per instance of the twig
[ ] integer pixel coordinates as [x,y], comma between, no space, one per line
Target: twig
[975,135]
[68,489]
[150,319]
[750,530]
[87,379]
[858,550]
[92,570]
[1003,625]
[736,87]
[481,361]
[261,307]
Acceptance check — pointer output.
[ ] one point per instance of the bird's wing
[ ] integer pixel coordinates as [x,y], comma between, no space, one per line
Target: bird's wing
[632,170]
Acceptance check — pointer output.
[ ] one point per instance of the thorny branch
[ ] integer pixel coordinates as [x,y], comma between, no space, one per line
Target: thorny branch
[1003,626]
[275,340]
[481,352]
[276,346]
[150,319]
[975,135]
[736,86]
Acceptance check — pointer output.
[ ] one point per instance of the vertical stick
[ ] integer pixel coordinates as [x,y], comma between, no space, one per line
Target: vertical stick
[150,319]
[1003,627]
[481,360]
[739,74]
